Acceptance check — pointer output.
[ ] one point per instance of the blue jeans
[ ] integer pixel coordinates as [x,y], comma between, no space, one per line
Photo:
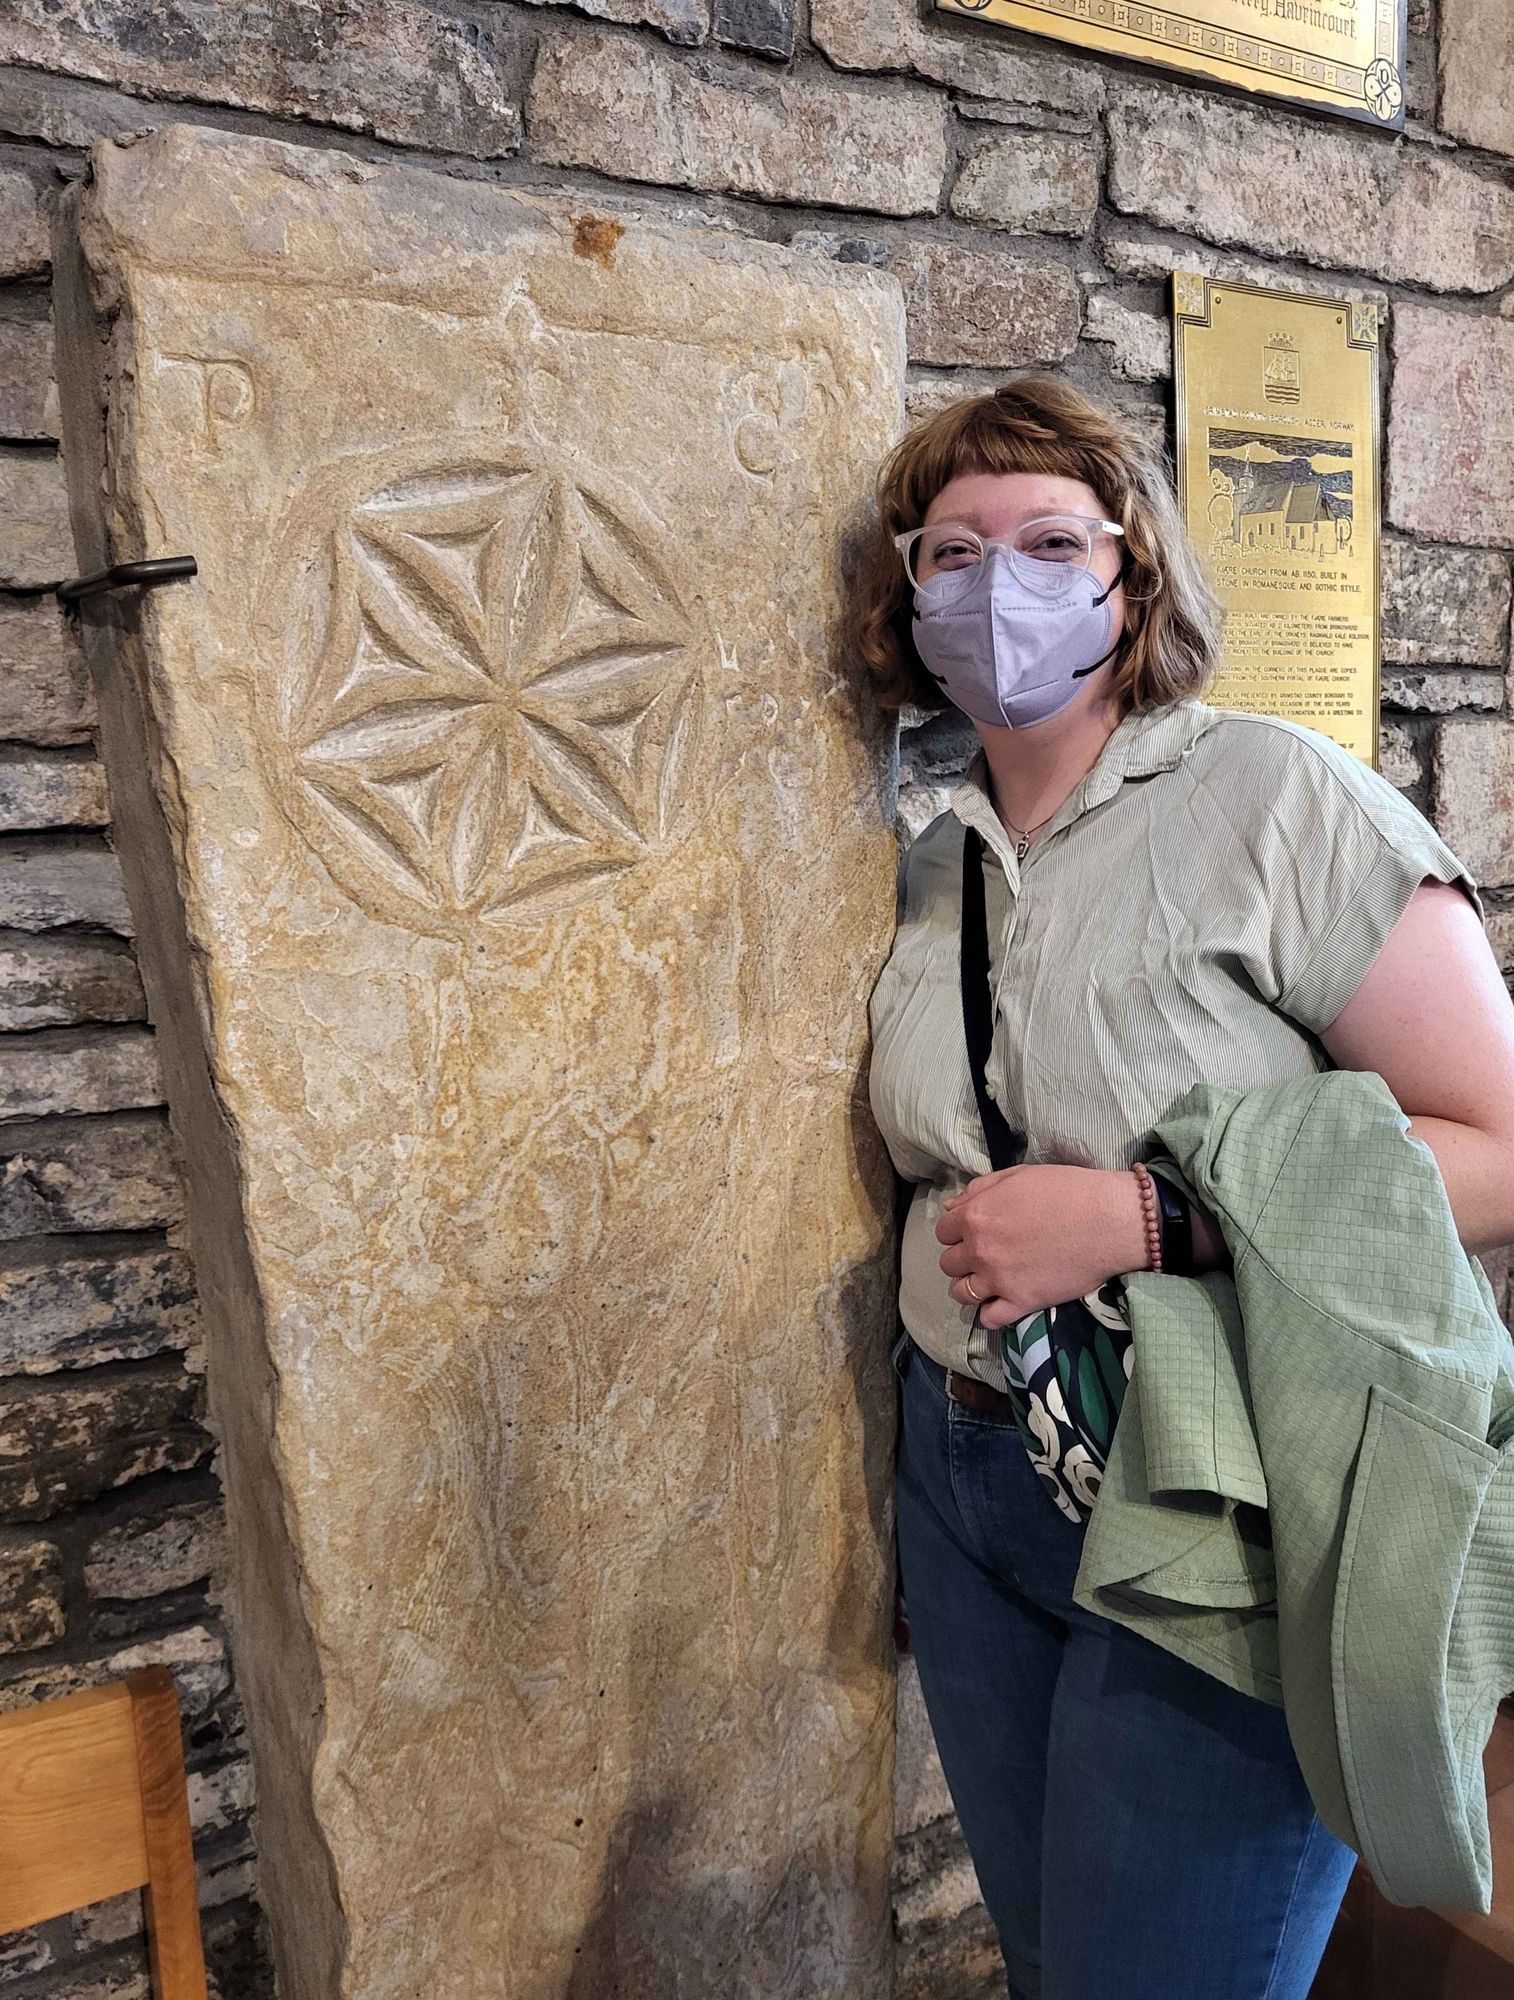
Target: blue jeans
[1140,1831]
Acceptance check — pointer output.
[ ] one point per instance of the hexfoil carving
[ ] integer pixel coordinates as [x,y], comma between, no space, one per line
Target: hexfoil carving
[489,690]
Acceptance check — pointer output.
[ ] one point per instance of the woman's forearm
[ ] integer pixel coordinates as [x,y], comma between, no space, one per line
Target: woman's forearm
[1210,1251]
[1478,1170]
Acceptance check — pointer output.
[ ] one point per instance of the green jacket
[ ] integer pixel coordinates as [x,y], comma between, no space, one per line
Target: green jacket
[1310,1491]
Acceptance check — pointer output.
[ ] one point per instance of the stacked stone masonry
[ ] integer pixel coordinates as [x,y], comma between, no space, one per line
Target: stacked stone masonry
[1030,202]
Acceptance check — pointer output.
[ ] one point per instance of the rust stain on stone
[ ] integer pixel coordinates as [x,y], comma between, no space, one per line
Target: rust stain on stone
[596,236]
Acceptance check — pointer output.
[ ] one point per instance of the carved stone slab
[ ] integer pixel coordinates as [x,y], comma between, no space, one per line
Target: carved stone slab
[504,830]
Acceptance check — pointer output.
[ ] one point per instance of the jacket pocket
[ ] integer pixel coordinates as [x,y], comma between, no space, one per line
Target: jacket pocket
[1416,1794]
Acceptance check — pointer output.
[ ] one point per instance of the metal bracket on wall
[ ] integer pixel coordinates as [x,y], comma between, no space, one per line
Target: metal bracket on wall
[120,576]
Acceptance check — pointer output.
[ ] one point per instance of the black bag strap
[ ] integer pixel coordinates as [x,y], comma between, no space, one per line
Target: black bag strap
[1006,1146]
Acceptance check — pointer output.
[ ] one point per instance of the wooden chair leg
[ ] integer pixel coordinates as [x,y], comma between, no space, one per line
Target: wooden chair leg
[171,1899]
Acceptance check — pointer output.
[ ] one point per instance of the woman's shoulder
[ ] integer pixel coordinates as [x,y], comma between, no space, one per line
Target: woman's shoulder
[1275,766]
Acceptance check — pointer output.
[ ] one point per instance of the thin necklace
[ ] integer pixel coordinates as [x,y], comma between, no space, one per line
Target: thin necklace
[1025,832]
[1024,841]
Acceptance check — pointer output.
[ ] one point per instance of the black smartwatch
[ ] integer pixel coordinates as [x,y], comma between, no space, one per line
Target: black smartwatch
[1177,1228]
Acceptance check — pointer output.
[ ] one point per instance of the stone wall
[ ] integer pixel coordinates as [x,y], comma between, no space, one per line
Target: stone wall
[1031,203]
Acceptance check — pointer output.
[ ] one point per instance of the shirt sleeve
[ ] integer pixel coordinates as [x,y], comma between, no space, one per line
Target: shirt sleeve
[1342,854]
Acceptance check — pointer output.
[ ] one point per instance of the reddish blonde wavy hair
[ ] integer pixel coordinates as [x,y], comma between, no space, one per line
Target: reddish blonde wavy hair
[1037,423]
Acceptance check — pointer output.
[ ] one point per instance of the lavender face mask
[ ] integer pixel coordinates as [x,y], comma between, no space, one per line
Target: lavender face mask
[1005,654]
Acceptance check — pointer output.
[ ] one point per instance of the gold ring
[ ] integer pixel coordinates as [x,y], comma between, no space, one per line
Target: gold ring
[971,1293]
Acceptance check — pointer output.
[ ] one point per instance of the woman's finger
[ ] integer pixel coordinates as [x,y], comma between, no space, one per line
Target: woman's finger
[964,1297]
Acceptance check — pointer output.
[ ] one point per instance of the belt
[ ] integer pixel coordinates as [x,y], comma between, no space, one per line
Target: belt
[975,1395]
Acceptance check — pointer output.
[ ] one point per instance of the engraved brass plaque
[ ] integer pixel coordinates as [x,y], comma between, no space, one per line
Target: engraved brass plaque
[1340,55]
[1278,461]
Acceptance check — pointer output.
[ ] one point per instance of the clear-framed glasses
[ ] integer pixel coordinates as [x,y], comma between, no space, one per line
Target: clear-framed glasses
[1047,554]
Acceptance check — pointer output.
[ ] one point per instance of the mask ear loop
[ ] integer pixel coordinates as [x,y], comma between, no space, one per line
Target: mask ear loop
[1119,578]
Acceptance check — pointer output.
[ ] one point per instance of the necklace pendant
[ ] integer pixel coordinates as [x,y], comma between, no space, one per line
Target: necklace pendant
[1020,846]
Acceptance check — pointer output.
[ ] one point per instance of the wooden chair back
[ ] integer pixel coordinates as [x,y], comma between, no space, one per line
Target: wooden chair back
[93,1803]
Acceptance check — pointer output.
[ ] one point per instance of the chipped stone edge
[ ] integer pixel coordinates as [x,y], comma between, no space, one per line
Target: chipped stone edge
[280,1678]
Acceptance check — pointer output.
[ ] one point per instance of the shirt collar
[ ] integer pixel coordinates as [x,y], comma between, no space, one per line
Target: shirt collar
[1139,745]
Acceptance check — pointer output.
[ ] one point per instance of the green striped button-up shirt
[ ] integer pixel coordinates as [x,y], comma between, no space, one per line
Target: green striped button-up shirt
[1199,908]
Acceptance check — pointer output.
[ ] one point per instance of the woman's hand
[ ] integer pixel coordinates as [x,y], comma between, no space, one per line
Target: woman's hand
[1030,1237]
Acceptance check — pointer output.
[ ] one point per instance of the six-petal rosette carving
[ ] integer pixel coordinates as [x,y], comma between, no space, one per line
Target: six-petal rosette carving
[490,693]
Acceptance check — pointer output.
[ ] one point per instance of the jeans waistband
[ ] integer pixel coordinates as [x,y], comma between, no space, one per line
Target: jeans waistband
[979,1397]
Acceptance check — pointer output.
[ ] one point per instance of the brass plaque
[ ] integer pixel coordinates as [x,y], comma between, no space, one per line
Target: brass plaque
[1278,476]
[1343,55]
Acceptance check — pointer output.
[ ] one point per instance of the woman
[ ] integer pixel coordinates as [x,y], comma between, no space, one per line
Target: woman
[1173,893]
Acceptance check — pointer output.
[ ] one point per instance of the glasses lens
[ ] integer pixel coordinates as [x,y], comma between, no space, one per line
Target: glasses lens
[1049,553]
[945,546]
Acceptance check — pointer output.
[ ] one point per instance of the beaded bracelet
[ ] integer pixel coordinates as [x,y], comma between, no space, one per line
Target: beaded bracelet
[1150,1212]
